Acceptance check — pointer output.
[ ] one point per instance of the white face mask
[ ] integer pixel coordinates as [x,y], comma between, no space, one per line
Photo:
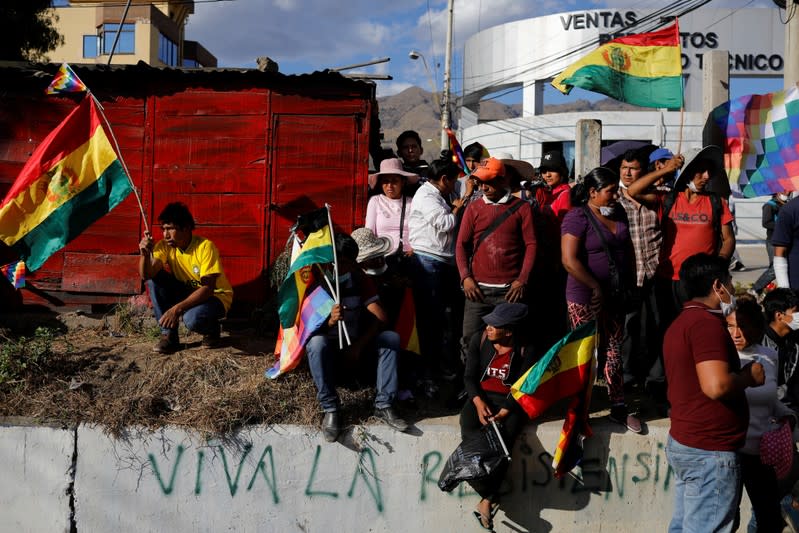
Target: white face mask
[376,271]
[622,185]
[692,186]
[794,323]
[783,197]
[606,210]
[727,308]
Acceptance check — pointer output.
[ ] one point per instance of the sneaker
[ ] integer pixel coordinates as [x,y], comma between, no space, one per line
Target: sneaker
[619,415]
[212,340]
[331,425]
[737,266]
[166,345]
[390,417]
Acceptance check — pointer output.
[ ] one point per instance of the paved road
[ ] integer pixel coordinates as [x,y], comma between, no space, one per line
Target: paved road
[756,261]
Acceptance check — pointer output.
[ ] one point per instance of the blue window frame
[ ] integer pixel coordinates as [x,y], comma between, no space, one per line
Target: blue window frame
[167,51]
[127,38]
[91,46]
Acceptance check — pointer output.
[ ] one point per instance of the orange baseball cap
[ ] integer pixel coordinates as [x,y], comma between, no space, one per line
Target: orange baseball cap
[490,170]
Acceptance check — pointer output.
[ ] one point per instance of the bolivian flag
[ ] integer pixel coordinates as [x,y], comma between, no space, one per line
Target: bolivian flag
[568,370]
[317,249]
[643,70]
[72,179]
[561,373]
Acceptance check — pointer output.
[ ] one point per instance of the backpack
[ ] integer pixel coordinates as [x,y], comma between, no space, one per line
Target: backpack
[715,203]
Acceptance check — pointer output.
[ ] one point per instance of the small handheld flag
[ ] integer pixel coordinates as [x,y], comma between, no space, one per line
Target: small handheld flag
[66,81]
[14,273]
[313,314]
[457,153]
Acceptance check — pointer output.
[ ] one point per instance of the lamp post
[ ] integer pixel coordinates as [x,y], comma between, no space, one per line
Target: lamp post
[415,55]
[447,71]
[444,106]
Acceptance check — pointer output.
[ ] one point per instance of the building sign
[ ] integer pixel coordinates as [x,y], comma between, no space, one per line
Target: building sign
[693,44]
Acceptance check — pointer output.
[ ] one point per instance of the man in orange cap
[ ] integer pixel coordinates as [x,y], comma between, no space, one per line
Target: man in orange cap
[495,248]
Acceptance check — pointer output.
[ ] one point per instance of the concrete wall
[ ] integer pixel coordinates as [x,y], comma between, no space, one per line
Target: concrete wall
[36,481]
[288,479]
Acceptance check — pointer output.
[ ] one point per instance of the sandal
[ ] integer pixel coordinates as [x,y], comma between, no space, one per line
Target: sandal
[486,522]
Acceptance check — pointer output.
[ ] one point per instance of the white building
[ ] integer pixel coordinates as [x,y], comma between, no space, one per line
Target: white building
[529,53]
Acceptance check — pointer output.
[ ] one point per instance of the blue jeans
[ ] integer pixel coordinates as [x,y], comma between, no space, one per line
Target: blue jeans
[322,350]
[707,489]
[166,291]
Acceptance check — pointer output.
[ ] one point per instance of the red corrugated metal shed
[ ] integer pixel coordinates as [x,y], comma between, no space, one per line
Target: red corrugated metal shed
[246,150]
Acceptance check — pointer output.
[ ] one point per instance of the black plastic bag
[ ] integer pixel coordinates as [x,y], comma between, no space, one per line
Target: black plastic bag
[477,456]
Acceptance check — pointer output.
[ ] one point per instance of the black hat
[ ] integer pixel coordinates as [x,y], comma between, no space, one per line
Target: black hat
[554,160]
[710,158]
[506,314]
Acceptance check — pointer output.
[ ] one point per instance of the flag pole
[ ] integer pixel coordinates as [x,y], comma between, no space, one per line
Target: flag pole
[682,114]
[121,159]
[342,327]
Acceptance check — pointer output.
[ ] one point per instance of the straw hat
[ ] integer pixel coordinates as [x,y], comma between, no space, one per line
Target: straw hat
[370,246]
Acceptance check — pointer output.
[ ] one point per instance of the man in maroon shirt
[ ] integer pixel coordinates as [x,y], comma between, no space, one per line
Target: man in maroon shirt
[709,413]
[495,248]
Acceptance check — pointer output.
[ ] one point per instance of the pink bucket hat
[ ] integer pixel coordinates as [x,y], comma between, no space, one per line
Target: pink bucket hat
[391,167]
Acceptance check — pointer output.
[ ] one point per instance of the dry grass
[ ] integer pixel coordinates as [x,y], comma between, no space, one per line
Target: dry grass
[116,382]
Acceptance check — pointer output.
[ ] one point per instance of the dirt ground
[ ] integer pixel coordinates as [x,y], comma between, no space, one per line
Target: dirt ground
[101,369]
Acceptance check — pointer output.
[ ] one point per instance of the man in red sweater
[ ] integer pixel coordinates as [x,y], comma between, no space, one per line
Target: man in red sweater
[495,248]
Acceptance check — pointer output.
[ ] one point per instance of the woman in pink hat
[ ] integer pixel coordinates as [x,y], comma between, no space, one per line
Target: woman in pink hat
[388,212]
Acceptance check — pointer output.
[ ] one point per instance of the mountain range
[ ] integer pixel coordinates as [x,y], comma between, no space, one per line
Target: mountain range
[417,109]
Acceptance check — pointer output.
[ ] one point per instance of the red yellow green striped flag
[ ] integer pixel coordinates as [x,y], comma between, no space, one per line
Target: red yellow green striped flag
[567,370]
[73,178]
[643,69]
[561,373]
[317,249]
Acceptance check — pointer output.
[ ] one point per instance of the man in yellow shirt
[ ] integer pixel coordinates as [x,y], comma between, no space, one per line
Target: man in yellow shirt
[185,278]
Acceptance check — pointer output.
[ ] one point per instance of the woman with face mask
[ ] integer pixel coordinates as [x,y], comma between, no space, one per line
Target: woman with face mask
[746,325]
[598,256]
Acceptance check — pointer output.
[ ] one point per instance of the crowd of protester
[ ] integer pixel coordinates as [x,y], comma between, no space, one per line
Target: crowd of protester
[502,262]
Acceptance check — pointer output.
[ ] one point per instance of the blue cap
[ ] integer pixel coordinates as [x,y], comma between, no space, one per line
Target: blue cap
[660,153]
[506,314]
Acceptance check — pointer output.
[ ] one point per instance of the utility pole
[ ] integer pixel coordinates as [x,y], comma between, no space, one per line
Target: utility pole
[447,76]
[791,72]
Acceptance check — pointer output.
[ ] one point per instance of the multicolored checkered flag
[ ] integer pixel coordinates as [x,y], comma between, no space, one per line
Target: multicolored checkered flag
[66,81]
[761,153]
[14,273]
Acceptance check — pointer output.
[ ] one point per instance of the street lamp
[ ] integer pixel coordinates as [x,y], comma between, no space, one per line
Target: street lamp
[444,106]
[416,55]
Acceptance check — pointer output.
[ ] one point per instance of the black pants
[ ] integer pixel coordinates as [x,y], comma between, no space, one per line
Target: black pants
[488,487]
[640,350]
[669,295]
[763,490]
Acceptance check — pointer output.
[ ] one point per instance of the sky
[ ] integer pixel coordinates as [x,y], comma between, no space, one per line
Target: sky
[308,35]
